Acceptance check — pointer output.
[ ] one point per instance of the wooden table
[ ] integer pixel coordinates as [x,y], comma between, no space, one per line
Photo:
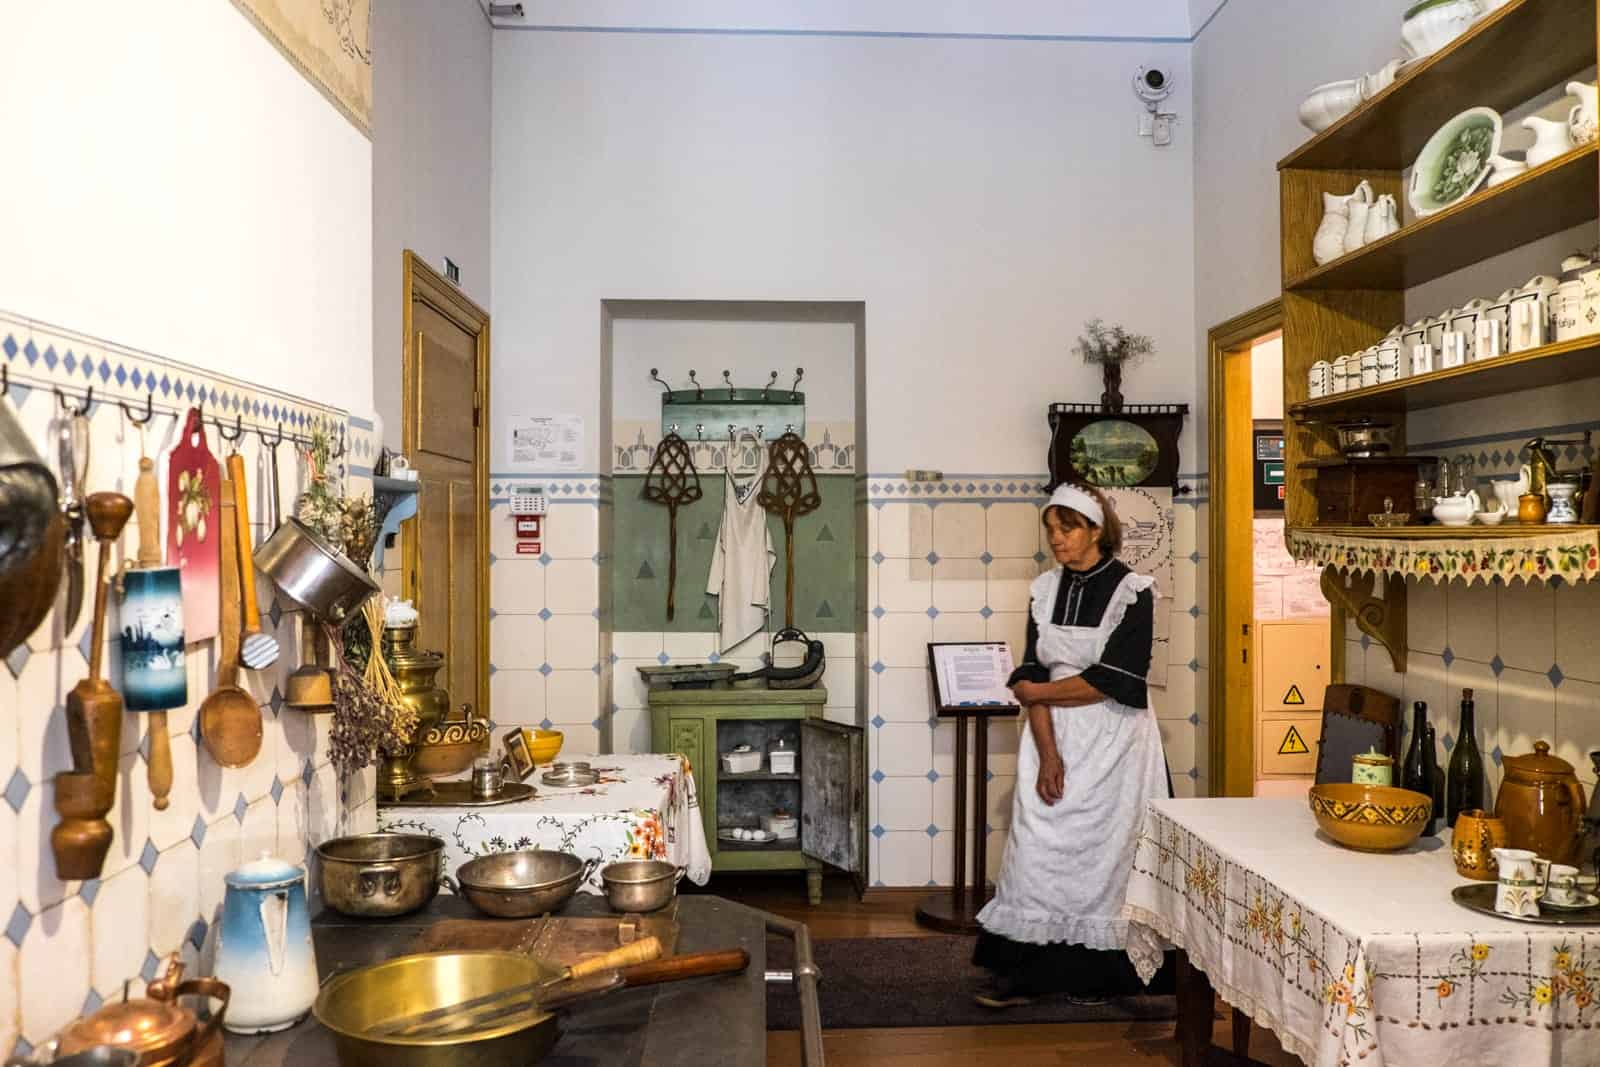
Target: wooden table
[956,911]
[711,1020]
[1351,957]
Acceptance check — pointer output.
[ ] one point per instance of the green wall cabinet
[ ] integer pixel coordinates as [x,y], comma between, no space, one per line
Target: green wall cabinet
[827,792]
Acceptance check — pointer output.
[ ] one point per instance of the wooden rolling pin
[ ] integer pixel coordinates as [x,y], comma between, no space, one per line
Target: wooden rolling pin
[147,510]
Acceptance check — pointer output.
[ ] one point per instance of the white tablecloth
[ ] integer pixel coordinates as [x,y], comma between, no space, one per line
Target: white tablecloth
[1355,957]
[643,807]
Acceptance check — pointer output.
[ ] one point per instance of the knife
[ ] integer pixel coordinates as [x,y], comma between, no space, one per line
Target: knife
[72,508]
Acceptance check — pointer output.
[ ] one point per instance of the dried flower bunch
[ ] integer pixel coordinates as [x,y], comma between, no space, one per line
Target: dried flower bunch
[368,716]
[348,525]
[1103,345]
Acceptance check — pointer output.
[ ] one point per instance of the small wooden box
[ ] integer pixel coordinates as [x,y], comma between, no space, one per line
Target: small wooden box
[1350,491]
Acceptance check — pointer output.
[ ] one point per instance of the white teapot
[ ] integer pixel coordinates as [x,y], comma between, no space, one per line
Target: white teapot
[1457,510]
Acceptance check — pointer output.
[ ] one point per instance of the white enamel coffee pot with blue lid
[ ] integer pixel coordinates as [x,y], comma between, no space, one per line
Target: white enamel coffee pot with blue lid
[264,950]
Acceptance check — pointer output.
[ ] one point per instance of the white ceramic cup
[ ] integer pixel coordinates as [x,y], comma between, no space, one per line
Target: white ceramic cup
[1562,886]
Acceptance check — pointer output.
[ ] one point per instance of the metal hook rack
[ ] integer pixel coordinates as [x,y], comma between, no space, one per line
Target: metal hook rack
[770,382]
[149,411]
[70,409]
[752,409]
[261,432]
[222,430]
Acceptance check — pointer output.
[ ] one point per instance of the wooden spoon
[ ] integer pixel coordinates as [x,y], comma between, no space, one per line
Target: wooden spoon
[230,721]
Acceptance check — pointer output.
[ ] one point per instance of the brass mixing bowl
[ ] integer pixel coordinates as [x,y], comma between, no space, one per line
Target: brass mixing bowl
[351,1004]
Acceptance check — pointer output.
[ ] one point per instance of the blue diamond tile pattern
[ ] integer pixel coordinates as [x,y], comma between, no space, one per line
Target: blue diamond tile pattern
[877,831]
[1366,643]
[239,808]
[878,612]
[1555,676]
[1448,656]
[17,789]
[197,833]
[878,776]
[197,933]
[1194,665]
[1449,742]
[986,558]
[933,559]
[878,667]
[86,642]
[546,670]
[1496,755]
[275,702]
[877,722]
[148,858]
[933,613]
[17,928]
[1038,557]
[152,965]
[1194,774]
[89,890]
[18,659]
[545,613]
[878,558]
[1194,720]
[545,724]
[277,791]
[546,559]
[1194,611]
[932,830]
[92,1003]
[1497,665]
[663,659]
[933,776]
[986,611]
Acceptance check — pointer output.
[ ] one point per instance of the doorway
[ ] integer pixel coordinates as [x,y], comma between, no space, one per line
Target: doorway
[1269,638]
[445,435]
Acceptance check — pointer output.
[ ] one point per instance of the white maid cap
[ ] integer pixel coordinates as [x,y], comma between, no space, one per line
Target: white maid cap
[1070,496]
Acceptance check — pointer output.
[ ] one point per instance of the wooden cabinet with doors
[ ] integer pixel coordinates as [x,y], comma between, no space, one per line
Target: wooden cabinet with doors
[445,435]
[827,792]
[1292,672]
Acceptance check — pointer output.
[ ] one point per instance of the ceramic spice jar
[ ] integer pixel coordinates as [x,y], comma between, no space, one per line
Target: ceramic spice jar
[1372,768]
[1542,804]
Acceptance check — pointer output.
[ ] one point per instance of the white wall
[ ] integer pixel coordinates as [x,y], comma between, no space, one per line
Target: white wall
[983,198]
[430,164]
[1266,379]
[176,186]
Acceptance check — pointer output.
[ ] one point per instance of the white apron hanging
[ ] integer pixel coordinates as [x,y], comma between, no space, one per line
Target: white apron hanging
[1064,876]
[741,562]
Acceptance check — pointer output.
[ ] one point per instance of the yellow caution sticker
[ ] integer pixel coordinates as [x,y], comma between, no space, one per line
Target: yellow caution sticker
[1293,744]
[1294,697]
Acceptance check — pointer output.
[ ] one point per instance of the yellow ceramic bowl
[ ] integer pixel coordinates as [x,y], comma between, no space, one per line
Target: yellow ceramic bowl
[1370,818]
[544,745]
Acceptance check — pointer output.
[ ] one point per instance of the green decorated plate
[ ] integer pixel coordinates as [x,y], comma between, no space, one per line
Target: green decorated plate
[1455,162]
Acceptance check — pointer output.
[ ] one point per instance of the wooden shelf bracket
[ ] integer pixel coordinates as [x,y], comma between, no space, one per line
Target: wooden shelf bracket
[1382,618]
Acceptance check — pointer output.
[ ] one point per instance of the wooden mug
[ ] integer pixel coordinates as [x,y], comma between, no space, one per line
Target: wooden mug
[1476,835]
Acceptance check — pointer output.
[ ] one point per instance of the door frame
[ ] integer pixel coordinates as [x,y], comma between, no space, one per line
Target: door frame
[1232,735]
[422,282]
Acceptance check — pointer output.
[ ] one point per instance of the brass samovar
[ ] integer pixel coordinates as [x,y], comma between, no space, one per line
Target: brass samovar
[441,745]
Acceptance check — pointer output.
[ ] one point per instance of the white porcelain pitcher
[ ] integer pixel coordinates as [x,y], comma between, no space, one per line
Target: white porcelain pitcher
[1552,139]
[264,949]
[1522,882]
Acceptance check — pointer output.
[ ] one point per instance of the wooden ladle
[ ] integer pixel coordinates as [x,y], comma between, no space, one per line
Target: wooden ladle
[230,720]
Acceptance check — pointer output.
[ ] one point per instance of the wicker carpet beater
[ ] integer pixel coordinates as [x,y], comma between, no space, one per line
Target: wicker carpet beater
[672,480]
[789,490]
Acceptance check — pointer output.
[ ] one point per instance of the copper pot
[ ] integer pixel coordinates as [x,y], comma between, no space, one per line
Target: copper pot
[160,1030]
[1542,804]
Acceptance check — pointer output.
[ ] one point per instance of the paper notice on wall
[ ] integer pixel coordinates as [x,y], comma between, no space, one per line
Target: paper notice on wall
[546,443]
[1147,526]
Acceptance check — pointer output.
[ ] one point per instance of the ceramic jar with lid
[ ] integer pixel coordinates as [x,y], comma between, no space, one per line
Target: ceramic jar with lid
[1391,367]
[1321,382]
[1575,306]
[1529,325]
[1542,804]
[1369,367]
[155,1027]
[1372,768]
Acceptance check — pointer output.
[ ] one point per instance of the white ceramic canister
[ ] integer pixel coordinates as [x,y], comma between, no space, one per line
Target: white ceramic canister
[1346,374]
[1489,339]
[1529,325]
[1436,328]
[1369,367]
[1566,312]
[1414,335]
[1464,321]
[1421,359]
[1453,353]
[1389,360]
[1321,378]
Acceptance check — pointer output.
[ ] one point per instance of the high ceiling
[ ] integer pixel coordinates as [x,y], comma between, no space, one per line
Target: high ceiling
[1170,20]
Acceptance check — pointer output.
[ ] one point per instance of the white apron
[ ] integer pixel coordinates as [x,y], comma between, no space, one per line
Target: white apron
[741,562]
[1064,876]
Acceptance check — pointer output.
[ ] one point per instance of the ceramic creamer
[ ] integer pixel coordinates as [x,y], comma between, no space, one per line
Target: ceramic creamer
[1552,139]
[264,950]
[1521,882]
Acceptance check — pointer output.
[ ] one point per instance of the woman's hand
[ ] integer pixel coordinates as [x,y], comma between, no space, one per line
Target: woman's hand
[1027,693]
[1052,782]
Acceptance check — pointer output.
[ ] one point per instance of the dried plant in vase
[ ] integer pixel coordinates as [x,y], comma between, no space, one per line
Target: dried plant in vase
[1111,348]
[369,716]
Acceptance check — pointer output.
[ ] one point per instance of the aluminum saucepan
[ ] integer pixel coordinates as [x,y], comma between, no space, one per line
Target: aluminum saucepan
[515,885]
[313,573]
[378,876]
[640,885]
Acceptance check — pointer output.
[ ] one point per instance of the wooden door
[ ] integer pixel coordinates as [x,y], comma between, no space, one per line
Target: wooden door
[444,432]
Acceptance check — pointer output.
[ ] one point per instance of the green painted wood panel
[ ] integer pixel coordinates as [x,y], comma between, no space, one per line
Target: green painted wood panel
[824,560]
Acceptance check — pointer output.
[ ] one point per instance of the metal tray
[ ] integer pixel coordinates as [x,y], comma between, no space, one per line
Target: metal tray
[1479,897]
[569,778]
[458,794]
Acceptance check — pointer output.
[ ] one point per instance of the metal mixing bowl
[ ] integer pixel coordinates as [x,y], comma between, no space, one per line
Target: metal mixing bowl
[380,875]
[640,885]
[515,885]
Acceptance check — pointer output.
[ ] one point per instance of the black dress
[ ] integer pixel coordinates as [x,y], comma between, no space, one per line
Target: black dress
[1060,967]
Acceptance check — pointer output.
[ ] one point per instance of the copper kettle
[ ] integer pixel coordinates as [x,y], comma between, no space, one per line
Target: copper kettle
[1542,804]
[163,1032]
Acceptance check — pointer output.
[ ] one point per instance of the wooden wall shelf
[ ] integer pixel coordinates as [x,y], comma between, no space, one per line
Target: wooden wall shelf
[1554,364]
[1504,532]
[1524,49]
[1552,198]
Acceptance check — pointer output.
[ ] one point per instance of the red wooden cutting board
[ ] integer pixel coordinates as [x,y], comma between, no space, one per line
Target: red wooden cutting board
[194,516]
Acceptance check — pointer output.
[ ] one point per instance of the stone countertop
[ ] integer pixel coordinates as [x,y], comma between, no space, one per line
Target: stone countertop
[715,1020]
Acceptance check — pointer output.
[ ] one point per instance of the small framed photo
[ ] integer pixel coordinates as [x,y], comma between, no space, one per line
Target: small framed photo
[971,674]
[519,758]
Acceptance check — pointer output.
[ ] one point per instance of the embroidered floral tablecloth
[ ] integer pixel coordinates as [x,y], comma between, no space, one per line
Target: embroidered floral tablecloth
[1359,958]
[643,807]
[1572,554]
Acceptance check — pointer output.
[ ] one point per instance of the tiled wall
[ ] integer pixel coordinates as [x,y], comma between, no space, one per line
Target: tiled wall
[953,561]
[67,946]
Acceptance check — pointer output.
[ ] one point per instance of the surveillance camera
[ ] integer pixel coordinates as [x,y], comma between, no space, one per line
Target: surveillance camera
[1152,84]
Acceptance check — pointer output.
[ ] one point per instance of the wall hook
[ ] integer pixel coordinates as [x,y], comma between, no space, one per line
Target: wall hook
[5,379]
[70,409]
[238,429]
[700,394]
[343,446]
[699,431]
[799,373]
[149,410]
[760,430]
[655,376]
[770,382]
[728,381]
[274,442]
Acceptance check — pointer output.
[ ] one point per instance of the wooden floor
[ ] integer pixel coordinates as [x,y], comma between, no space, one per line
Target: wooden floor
[889,913]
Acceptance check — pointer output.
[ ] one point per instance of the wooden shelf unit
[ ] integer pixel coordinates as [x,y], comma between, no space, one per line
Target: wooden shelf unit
[1510,530]
[1525,49]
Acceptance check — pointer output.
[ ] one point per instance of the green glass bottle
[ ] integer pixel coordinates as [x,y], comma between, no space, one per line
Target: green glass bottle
[1464,783]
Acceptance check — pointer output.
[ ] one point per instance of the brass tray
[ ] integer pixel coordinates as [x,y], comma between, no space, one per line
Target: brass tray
[1479,897]
[458,794]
